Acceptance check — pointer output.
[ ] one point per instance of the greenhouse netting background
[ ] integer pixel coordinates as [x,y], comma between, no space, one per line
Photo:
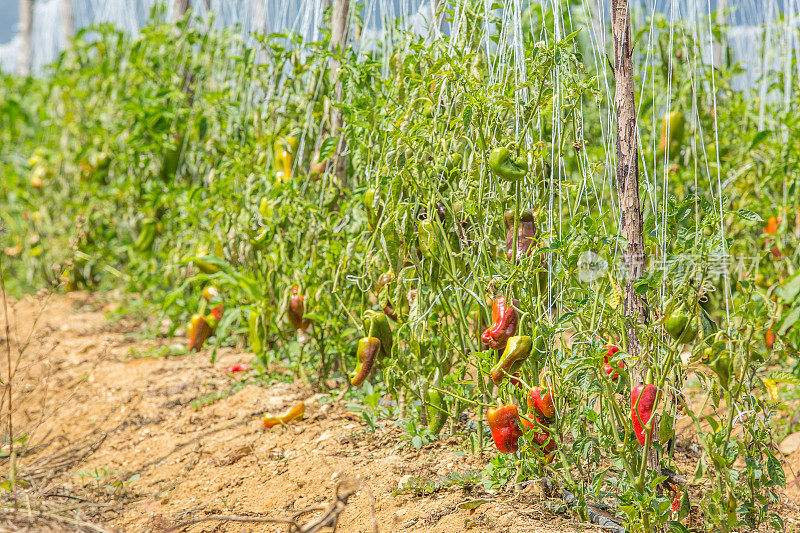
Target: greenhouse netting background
[750,20]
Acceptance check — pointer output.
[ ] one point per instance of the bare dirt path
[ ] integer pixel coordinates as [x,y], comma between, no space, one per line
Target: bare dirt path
[132,443]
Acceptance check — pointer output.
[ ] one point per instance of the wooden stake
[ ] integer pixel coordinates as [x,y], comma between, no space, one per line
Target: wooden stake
[67,23]
[179,8]
[25,57]
[627,174]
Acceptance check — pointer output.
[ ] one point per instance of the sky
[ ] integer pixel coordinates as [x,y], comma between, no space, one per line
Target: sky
[8,19]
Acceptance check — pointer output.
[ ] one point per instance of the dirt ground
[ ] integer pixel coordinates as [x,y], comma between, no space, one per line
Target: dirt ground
[118,439]
[122,441]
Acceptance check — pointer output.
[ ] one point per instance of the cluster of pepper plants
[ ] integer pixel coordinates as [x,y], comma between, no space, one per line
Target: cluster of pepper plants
[466,263]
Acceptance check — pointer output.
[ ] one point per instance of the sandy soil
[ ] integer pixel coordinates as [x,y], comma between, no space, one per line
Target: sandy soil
[123,441]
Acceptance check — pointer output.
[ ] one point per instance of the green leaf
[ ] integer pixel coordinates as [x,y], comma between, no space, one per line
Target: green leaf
[789,288]
[471,505]
[686,506]
[328,147]
[749,215]
[780,376]
[466,117]
[699,472]
[571,36]
[677,526]
[708,324]
[314,317]
[788,320]
[775,470]
[665,428]
[759,138]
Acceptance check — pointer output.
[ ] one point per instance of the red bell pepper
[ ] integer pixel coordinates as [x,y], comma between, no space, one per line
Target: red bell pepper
[504,424]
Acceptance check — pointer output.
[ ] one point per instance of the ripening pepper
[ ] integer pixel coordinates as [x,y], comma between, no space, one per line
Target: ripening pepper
[769,338]
[504,324]
[198,331]
[368,350]
[540,400]
[607,367]
[772,225]
[206,267]
[147,236]
[373,208]
[517,351]
[502,165]
[376,324]
[672,133]
[526,234]
[545,443]
[210,292]
[295,412]
[254,328]
[504,424]
[436,409]
[681,326]
[722,366]
[428,238]
[283,158]
[384,281]
[643,399]
[297,308]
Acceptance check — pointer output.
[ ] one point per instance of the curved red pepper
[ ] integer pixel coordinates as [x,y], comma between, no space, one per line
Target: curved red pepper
[297,308]
[643,399]
[540,400]
[504,423]
[609,369]
[504,325]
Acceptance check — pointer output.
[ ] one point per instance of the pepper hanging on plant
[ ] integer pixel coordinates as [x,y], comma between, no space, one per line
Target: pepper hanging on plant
[504,324]
[517,351]
[368,350]
[501,164]
[210,293]
[643,399]
[198,331]
[297,308]
[540,399]
[384,281]
[254,327]
[722,365]
[526,233]
[504,424]
[681,326]
[607,367]
[201,327]
[373,208]
[377,325]
[436,407]
[544,444]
